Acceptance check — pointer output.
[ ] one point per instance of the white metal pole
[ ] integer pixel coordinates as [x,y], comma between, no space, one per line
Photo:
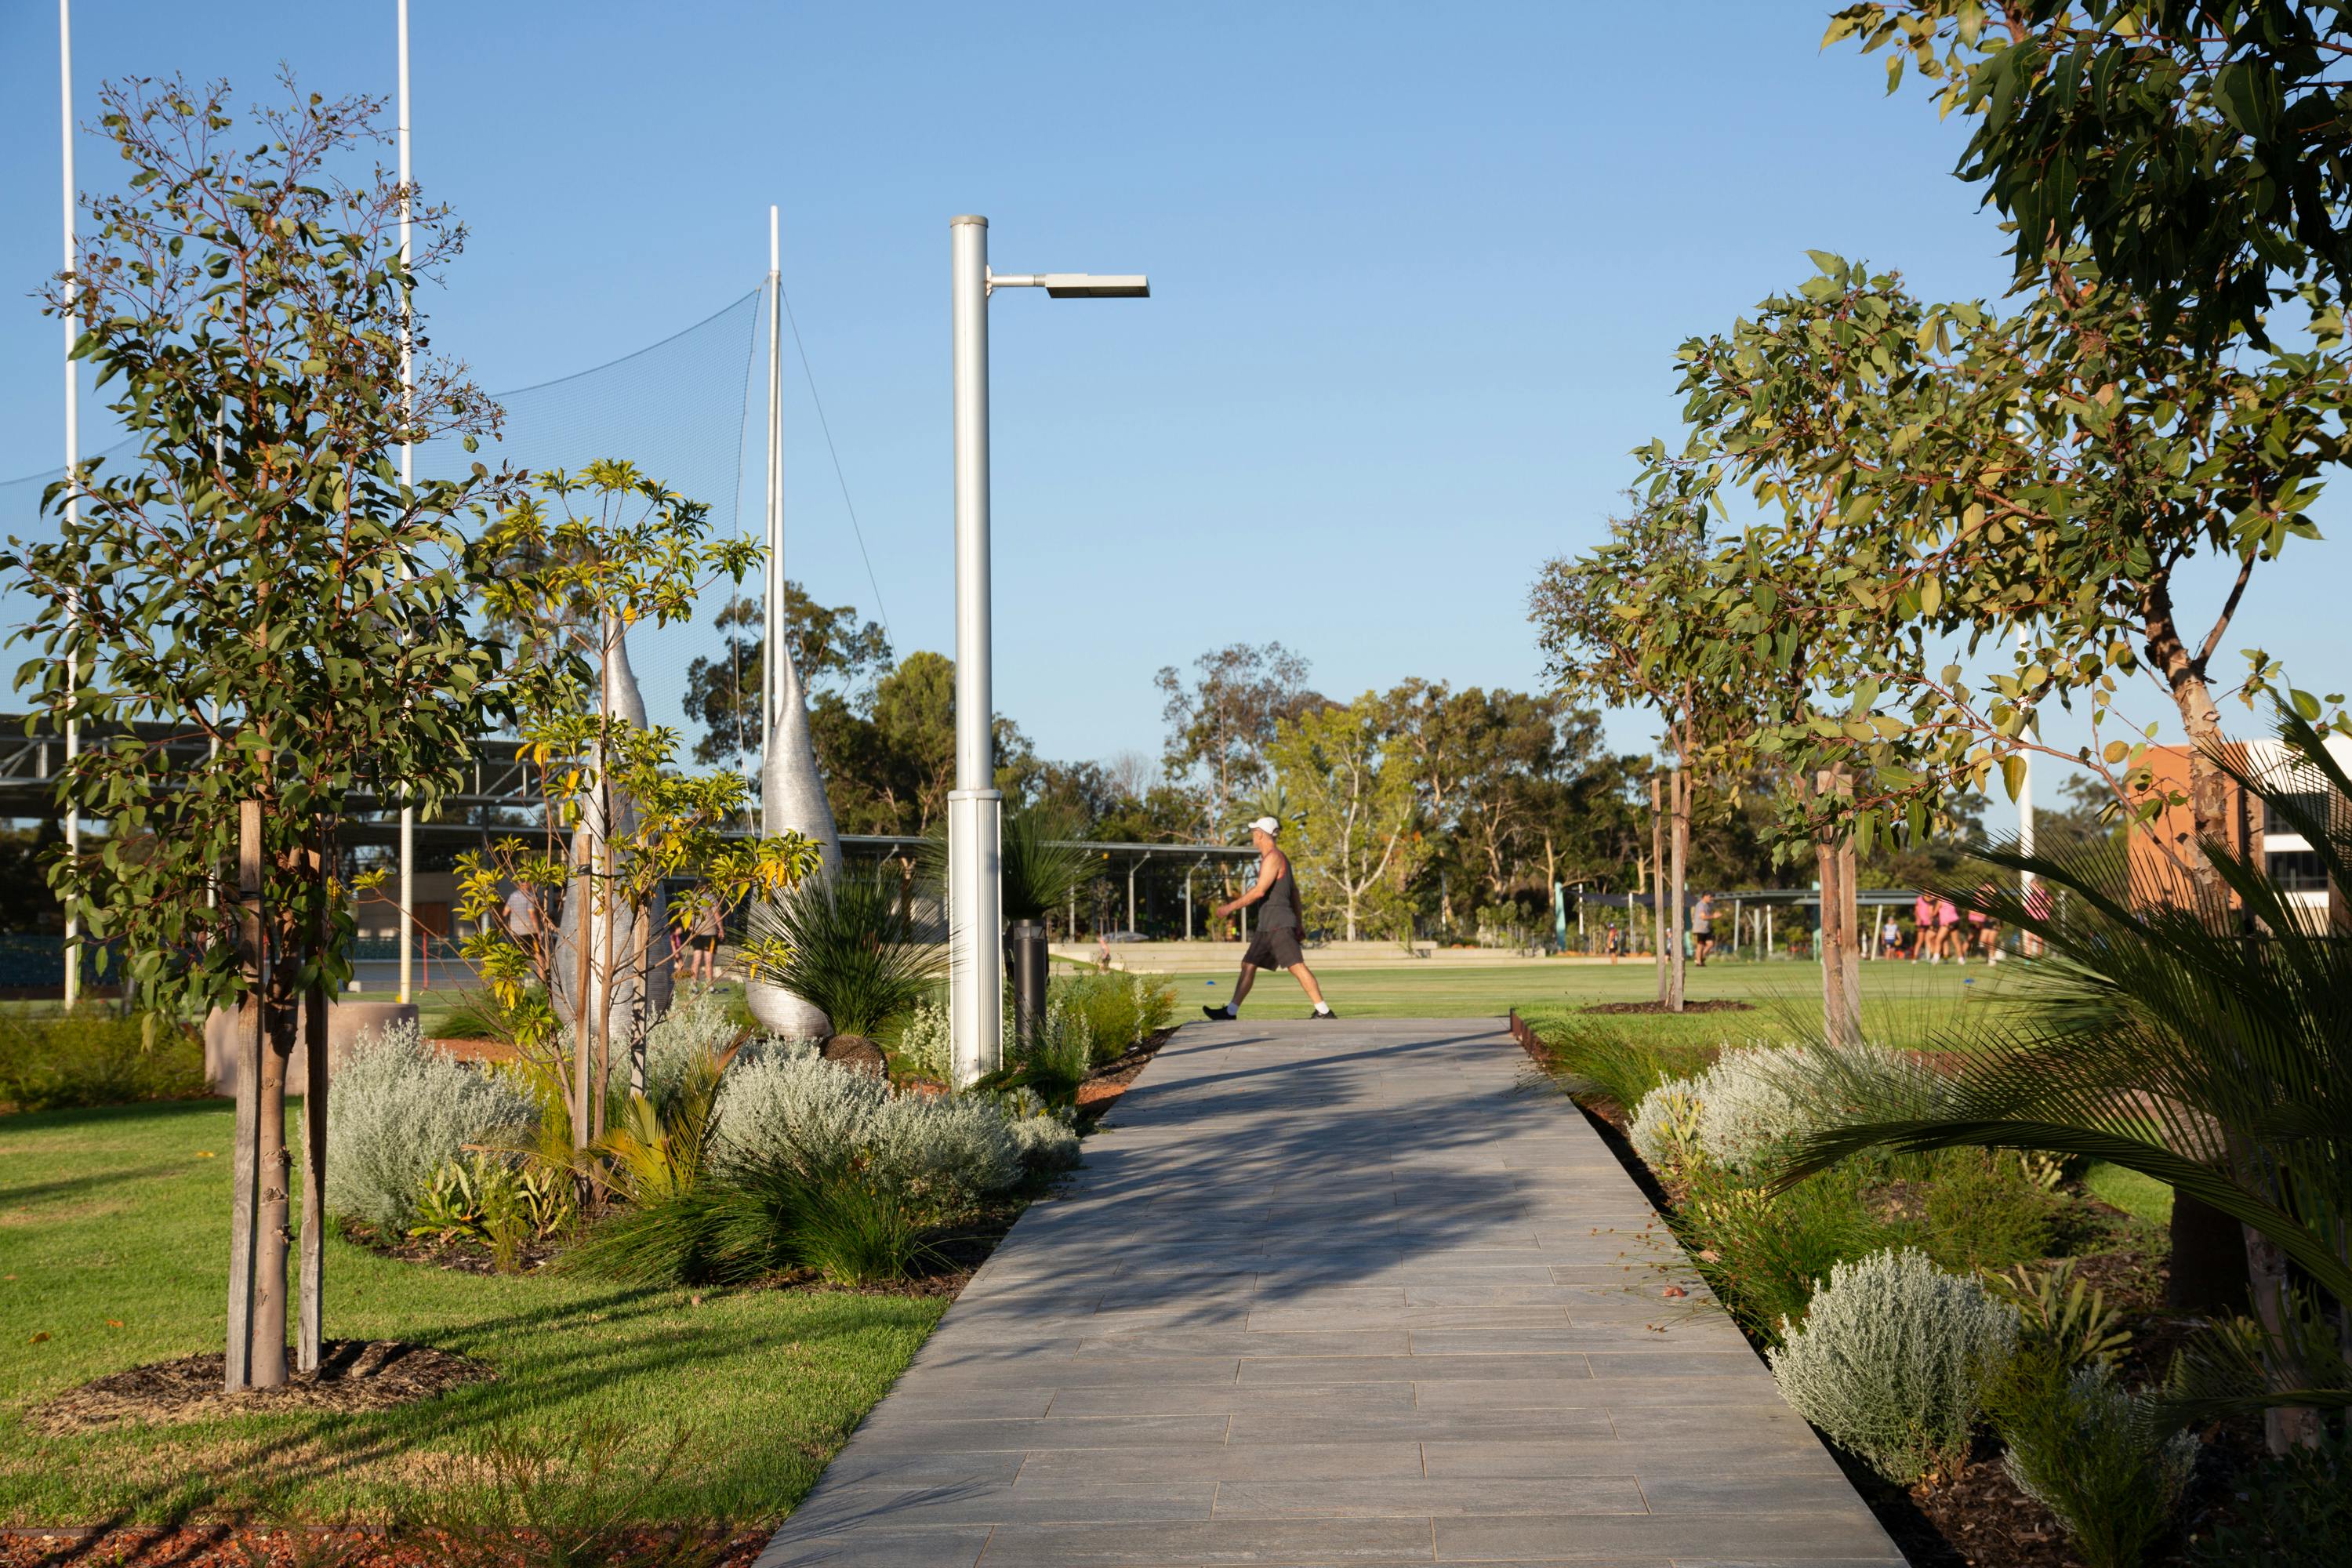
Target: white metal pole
[407,477]
[975,977]
[771,623]
[73,461]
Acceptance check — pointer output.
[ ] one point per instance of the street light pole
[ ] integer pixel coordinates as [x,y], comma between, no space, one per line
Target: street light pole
[975,808]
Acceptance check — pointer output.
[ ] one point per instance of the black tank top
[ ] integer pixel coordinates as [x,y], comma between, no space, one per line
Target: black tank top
[1281,908]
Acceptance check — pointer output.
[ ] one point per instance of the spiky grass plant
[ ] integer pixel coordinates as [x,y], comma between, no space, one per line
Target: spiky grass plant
[848,947]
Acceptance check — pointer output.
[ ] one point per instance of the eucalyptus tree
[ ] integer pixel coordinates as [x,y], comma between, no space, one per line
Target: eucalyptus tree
[1351,790]
[1932,478]
[2200,150]
[258,576]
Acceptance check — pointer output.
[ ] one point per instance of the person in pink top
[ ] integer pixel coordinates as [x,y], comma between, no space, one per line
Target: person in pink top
[1948,931]
[1923,929]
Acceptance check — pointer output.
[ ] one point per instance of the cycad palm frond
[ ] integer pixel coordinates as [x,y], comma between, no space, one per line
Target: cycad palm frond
[2205,1044]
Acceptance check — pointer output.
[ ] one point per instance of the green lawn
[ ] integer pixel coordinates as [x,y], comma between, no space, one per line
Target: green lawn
[1905,998]
[114,1243]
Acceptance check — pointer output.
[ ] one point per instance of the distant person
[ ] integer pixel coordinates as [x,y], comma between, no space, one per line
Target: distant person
[1702,927]
[1890,939]
[1275,945]
[708,924]
[1102,948]
[1616,943]
[1948,931]
[1923,929]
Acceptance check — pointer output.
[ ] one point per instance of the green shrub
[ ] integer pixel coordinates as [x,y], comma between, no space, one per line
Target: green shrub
[2090,1451]
[1892,1360]
[1665,1127]
[1984,1211]
[60,1063]
[2057,1316]
[1055,1056]
[2292,1511]
[798,1112]
[847,947]
[1766,1254]
[497,1203]
[854,1228]
[925,1041]
[1119,1011]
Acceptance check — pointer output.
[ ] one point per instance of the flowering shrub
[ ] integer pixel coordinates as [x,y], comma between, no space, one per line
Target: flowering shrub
[923,1040]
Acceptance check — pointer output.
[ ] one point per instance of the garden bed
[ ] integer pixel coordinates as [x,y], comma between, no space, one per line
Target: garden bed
[1973,1513]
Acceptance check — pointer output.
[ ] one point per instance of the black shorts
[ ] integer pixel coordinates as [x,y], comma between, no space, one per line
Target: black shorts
[1273,948]
[704,943]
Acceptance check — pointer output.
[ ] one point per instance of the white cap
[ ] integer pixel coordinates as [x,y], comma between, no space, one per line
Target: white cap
[1268,826]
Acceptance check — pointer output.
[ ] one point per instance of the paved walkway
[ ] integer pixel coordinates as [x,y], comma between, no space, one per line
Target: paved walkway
[1335,1293]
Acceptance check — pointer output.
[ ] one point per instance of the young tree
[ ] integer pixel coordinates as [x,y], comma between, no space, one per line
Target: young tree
[1354,799]
[259,576]
[1626,624]
[614,550]
[1933,477]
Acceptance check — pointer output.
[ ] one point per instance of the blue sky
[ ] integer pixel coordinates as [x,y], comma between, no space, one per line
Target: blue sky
[1418,275]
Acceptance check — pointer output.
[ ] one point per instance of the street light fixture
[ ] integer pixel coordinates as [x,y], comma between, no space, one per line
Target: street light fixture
[975,808]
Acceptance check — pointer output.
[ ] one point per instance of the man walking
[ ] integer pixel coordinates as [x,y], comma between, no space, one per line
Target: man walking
[1275,945]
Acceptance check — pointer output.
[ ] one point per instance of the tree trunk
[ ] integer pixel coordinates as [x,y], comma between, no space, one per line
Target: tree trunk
[1658,883]
[1841,952]
[1679,785]
[2208,811]
[308,1340]
[245,1182]
[273,1212]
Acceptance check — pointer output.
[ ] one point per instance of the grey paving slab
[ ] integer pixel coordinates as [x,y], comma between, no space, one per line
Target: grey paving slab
[1330,1294]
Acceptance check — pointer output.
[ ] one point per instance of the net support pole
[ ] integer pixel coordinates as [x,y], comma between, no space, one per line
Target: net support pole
[771,627]
[407,919]
[975,810]
[73,460]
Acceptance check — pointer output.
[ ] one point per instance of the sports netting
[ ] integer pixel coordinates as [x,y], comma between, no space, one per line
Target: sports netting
[687,410]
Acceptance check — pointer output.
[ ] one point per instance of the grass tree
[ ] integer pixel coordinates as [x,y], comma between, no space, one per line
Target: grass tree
[594,554]
[257,576]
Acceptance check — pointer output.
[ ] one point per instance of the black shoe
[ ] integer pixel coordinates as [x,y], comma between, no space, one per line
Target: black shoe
[1326,1013]
[1219,1013]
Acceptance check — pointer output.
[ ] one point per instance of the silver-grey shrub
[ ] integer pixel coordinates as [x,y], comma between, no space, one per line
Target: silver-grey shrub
[1893,1359]
[790,1109]
[693,1030]
[398,1111]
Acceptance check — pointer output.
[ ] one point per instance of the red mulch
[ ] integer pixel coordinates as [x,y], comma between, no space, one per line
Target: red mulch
[1107,1083]
[254,1546]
